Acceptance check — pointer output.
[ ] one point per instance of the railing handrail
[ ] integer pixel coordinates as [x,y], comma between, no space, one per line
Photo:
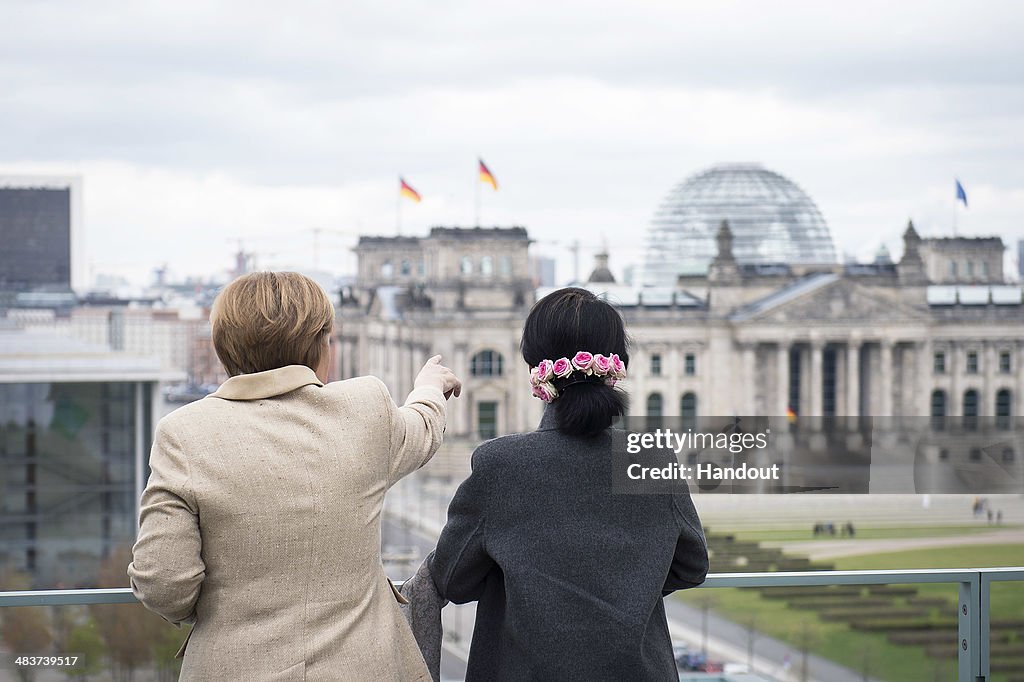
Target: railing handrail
[123,595]
[973,629]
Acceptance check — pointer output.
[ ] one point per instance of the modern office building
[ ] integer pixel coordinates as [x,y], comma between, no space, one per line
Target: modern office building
[40,229]
[75,426]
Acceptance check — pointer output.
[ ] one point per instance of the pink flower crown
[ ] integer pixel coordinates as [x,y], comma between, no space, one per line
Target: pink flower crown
[541,377]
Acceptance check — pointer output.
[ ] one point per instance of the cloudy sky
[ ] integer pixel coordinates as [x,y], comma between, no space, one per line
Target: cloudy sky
[195,125]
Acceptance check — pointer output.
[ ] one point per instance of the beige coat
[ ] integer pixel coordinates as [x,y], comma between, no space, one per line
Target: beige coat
[261,524]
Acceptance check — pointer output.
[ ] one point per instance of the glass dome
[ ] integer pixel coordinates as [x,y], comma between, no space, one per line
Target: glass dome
[771,218]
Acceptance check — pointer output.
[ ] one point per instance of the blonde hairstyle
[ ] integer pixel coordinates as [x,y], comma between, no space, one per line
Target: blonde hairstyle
[266,320]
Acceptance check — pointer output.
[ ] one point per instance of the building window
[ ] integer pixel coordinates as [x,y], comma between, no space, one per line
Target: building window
[688,405]
[656,365]
[970,269]
[984,269]
[486,266]
[406,268]
[938,411]
[505,266]
[486,363]
[654,405]
[467,265]
[952,269]
[939,363]
[421,268]
[972,362]
[487,419]
[1004,405]
[690,364]
[1004,362]
[971,409]
[387,270]
[1008,456]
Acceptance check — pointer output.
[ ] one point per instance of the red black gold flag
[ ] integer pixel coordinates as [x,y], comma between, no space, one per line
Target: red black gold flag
[406,190]
[487,176]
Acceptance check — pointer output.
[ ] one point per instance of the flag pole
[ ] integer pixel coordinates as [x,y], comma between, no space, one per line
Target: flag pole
[956,200]
[398,211]
[478,182]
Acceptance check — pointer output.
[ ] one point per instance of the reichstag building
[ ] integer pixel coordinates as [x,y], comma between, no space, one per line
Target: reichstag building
[742,309]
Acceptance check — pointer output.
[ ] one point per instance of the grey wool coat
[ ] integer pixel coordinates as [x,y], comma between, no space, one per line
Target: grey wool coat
[569,577]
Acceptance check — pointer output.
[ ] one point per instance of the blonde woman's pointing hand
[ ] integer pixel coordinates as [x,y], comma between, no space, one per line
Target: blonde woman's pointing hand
[437,375]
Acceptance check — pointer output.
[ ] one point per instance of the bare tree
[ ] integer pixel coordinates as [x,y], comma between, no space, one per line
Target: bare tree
[128,630]
[706,602]
[805,639]
[751,627]
[26,629]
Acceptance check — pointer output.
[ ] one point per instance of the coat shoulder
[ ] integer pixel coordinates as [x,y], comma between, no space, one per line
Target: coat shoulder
[182,418]
[505,450]
[362,388]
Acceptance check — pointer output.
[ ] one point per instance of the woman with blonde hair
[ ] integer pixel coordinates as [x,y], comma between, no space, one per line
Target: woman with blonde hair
[260,523]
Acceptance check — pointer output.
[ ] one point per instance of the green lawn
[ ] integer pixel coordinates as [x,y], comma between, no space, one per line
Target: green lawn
[859,649]
[798,534]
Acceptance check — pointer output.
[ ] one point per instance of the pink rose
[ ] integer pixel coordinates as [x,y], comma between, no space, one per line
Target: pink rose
[562,368]
[583,361]
[544,370]
[545,392]
[618,367]
[602,364]
[611,381]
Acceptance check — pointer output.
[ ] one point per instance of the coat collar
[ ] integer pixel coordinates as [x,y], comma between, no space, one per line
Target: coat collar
[547,420]
[267,384]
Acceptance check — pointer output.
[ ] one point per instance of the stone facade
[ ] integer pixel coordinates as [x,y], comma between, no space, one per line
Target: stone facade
[963,260]
[851,340]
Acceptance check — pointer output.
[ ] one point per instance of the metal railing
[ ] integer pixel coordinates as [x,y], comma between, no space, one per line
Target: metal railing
[972,612]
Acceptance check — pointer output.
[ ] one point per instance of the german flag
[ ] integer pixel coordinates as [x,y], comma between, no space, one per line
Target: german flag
[487,176]
[406,190]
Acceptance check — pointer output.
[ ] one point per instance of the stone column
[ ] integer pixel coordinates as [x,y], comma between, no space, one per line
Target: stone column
[853,378]
[782,380]
[987,408]
[817,353]
[463,414]
[885,378]
[749,380]
[1017,364]
[954,400]
[925,370]
[674,360]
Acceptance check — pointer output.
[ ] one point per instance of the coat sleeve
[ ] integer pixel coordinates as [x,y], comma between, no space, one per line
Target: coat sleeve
[416,429]
[460,564]
[167,568]
[690,561]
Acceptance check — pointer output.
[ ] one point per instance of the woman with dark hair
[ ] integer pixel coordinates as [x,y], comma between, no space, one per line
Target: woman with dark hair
[568,576]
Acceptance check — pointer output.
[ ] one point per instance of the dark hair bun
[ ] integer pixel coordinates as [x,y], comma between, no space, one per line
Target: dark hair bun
[588,407]
[559,325]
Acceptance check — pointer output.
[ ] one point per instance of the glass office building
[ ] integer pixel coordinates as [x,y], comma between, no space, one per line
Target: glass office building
[35,230]
[75,428]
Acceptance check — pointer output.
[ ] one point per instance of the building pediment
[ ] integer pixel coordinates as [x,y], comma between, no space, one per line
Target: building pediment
[834,299]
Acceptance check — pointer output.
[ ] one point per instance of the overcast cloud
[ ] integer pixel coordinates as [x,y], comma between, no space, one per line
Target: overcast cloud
[195,124]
